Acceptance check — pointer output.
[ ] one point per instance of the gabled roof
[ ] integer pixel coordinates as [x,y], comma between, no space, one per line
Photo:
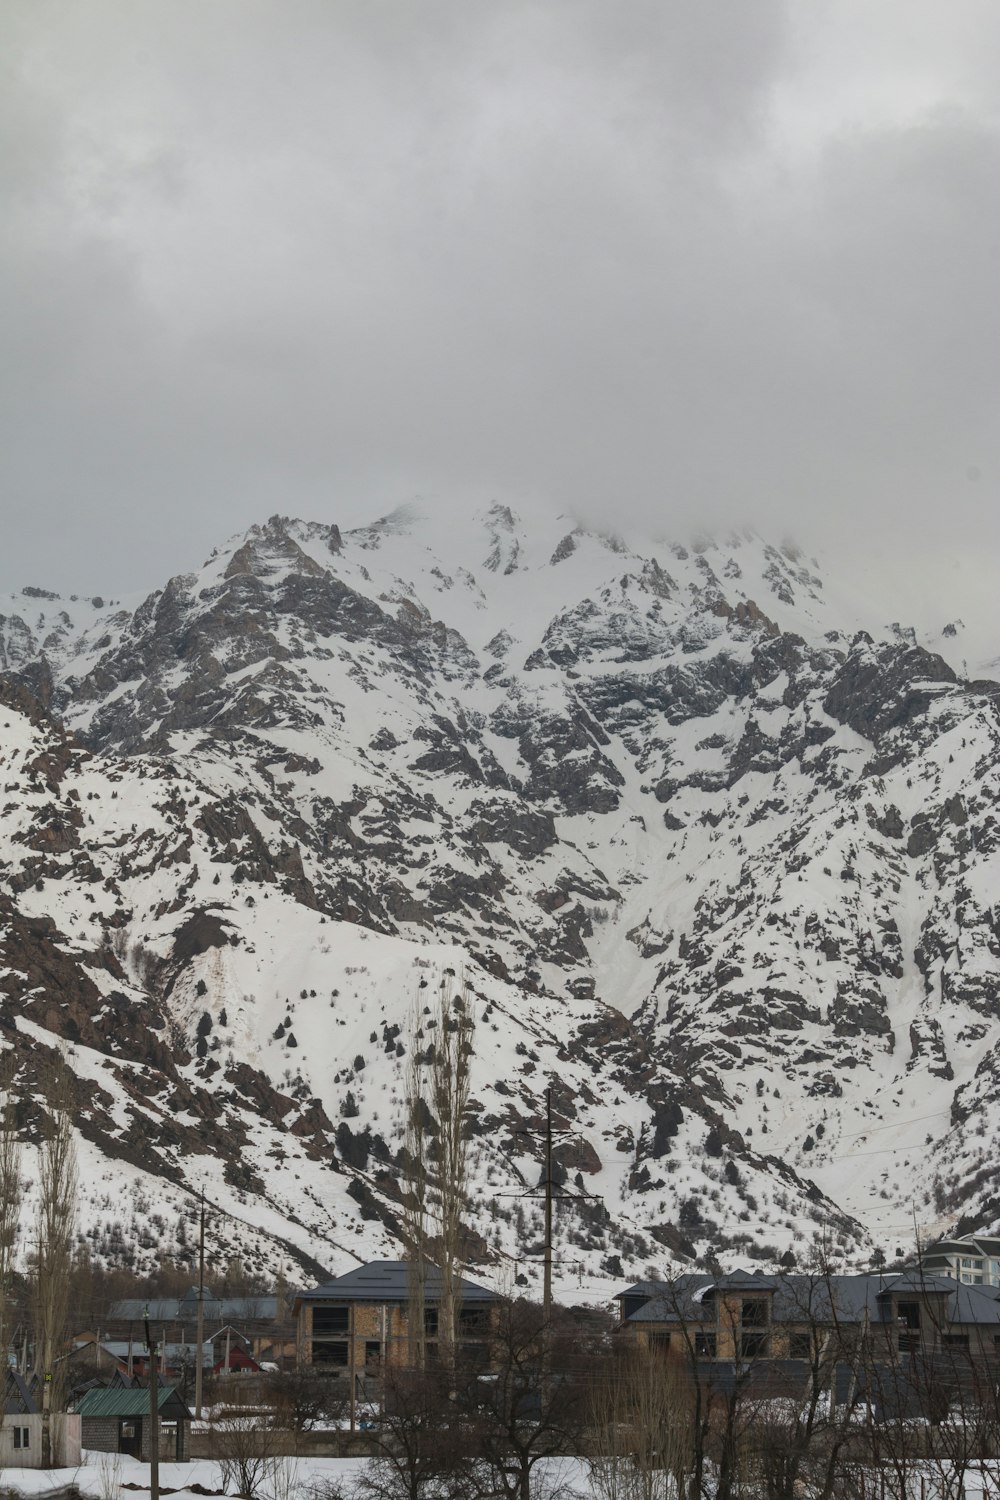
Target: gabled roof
[965,1244]
[917,1281]
[751,1281]
[112,1401]
[389,1281]
[18,1400]
[801,1298]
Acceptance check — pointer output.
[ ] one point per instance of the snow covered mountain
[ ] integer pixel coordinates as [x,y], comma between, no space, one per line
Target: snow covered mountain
[713,845]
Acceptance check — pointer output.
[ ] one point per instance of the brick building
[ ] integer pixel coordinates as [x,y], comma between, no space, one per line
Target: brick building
[116,1420]
[360,1321]
[745,1316]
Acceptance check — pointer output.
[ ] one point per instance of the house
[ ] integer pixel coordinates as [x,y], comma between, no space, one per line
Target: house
[973,1259]
[21,1430]
[232,1357]
[360,1321]
[748,1316]
[130,1356]
[117,1420]
[261,1320]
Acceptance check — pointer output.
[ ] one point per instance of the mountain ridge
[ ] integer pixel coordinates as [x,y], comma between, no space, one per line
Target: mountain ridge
[716,855]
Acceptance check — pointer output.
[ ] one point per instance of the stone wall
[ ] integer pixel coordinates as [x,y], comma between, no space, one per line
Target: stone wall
[101,1434]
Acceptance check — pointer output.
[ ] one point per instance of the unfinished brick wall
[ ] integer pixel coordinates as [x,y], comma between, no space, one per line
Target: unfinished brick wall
[380,1335]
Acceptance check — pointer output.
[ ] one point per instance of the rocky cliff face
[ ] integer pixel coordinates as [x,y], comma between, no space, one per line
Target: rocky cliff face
[717,864]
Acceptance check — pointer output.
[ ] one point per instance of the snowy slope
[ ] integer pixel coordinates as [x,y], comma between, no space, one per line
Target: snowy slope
[711,842]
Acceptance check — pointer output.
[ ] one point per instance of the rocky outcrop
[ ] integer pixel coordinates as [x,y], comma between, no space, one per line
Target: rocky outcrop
[706,858]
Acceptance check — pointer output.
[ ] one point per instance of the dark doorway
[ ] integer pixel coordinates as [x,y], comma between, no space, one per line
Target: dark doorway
[130,1436]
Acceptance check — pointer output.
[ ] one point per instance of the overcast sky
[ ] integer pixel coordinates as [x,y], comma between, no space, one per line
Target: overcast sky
[676,261]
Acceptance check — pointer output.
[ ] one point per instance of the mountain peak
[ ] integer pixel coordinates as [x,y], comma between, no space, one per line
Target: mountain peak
[713,849]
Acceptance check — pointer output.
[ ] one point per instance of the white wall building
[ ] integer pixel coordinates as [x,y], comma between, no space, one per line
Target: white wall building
[972,1258]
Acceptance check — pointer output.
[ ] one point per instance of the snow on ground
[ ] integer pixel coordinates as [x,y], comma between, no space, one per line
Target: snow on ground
[103,1475]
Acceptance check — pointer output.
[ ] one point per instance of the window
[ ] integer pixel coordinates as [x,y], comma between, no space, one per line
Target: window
[22,1437]
[753,1345]
[632,1305]
[956,1341]
[754,1312]
[704,1345]
[329,1354]
[799,1346]
[329,1320]
[373,1354]
[431,1321]
[473,1320]
[908,1313]
[659,1340]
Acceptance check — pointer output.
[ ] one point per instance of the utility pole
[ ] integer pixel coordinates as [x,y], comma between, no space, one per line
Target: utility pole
[550,1197]
[547,1269]
[154,1418]
[351,1368]
[200,1335]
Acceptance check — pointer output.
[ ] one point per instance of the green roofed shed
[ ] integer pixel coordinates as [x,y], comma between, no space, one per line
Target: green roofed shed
[116,1420]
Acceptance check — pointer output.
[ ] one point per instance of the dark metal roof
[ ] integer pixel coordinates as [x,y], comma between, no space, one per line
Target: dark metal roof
[967,1244]
[185,1309]
[113,1401]
[389,1281]
[800,1298]
[918,1281]
[18,1400]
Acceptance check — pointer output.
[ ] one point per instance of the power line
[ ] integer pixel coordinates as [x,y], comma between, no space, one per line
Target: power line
[894,1125]
[880,1151]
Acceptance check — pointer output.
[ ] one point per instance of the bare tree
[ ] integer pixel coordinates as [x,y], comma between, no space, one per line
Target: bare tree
[299,1397]
[244,1448]
[450,1080]
[797,1438]
[436,1155]
[934,1385]
[526,1410]
[10,1199]
[57,1186]
[415,1207]
[642,1427]
[422,1448]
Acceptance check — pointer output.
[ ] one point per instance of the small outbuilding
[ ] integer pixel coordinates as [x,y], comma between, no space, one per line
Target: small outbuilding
[21,1430]
[116,1420]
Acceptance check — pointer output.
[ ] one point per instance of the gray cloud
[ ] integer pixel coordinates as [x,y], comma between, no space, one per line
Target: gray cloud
[699,263]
